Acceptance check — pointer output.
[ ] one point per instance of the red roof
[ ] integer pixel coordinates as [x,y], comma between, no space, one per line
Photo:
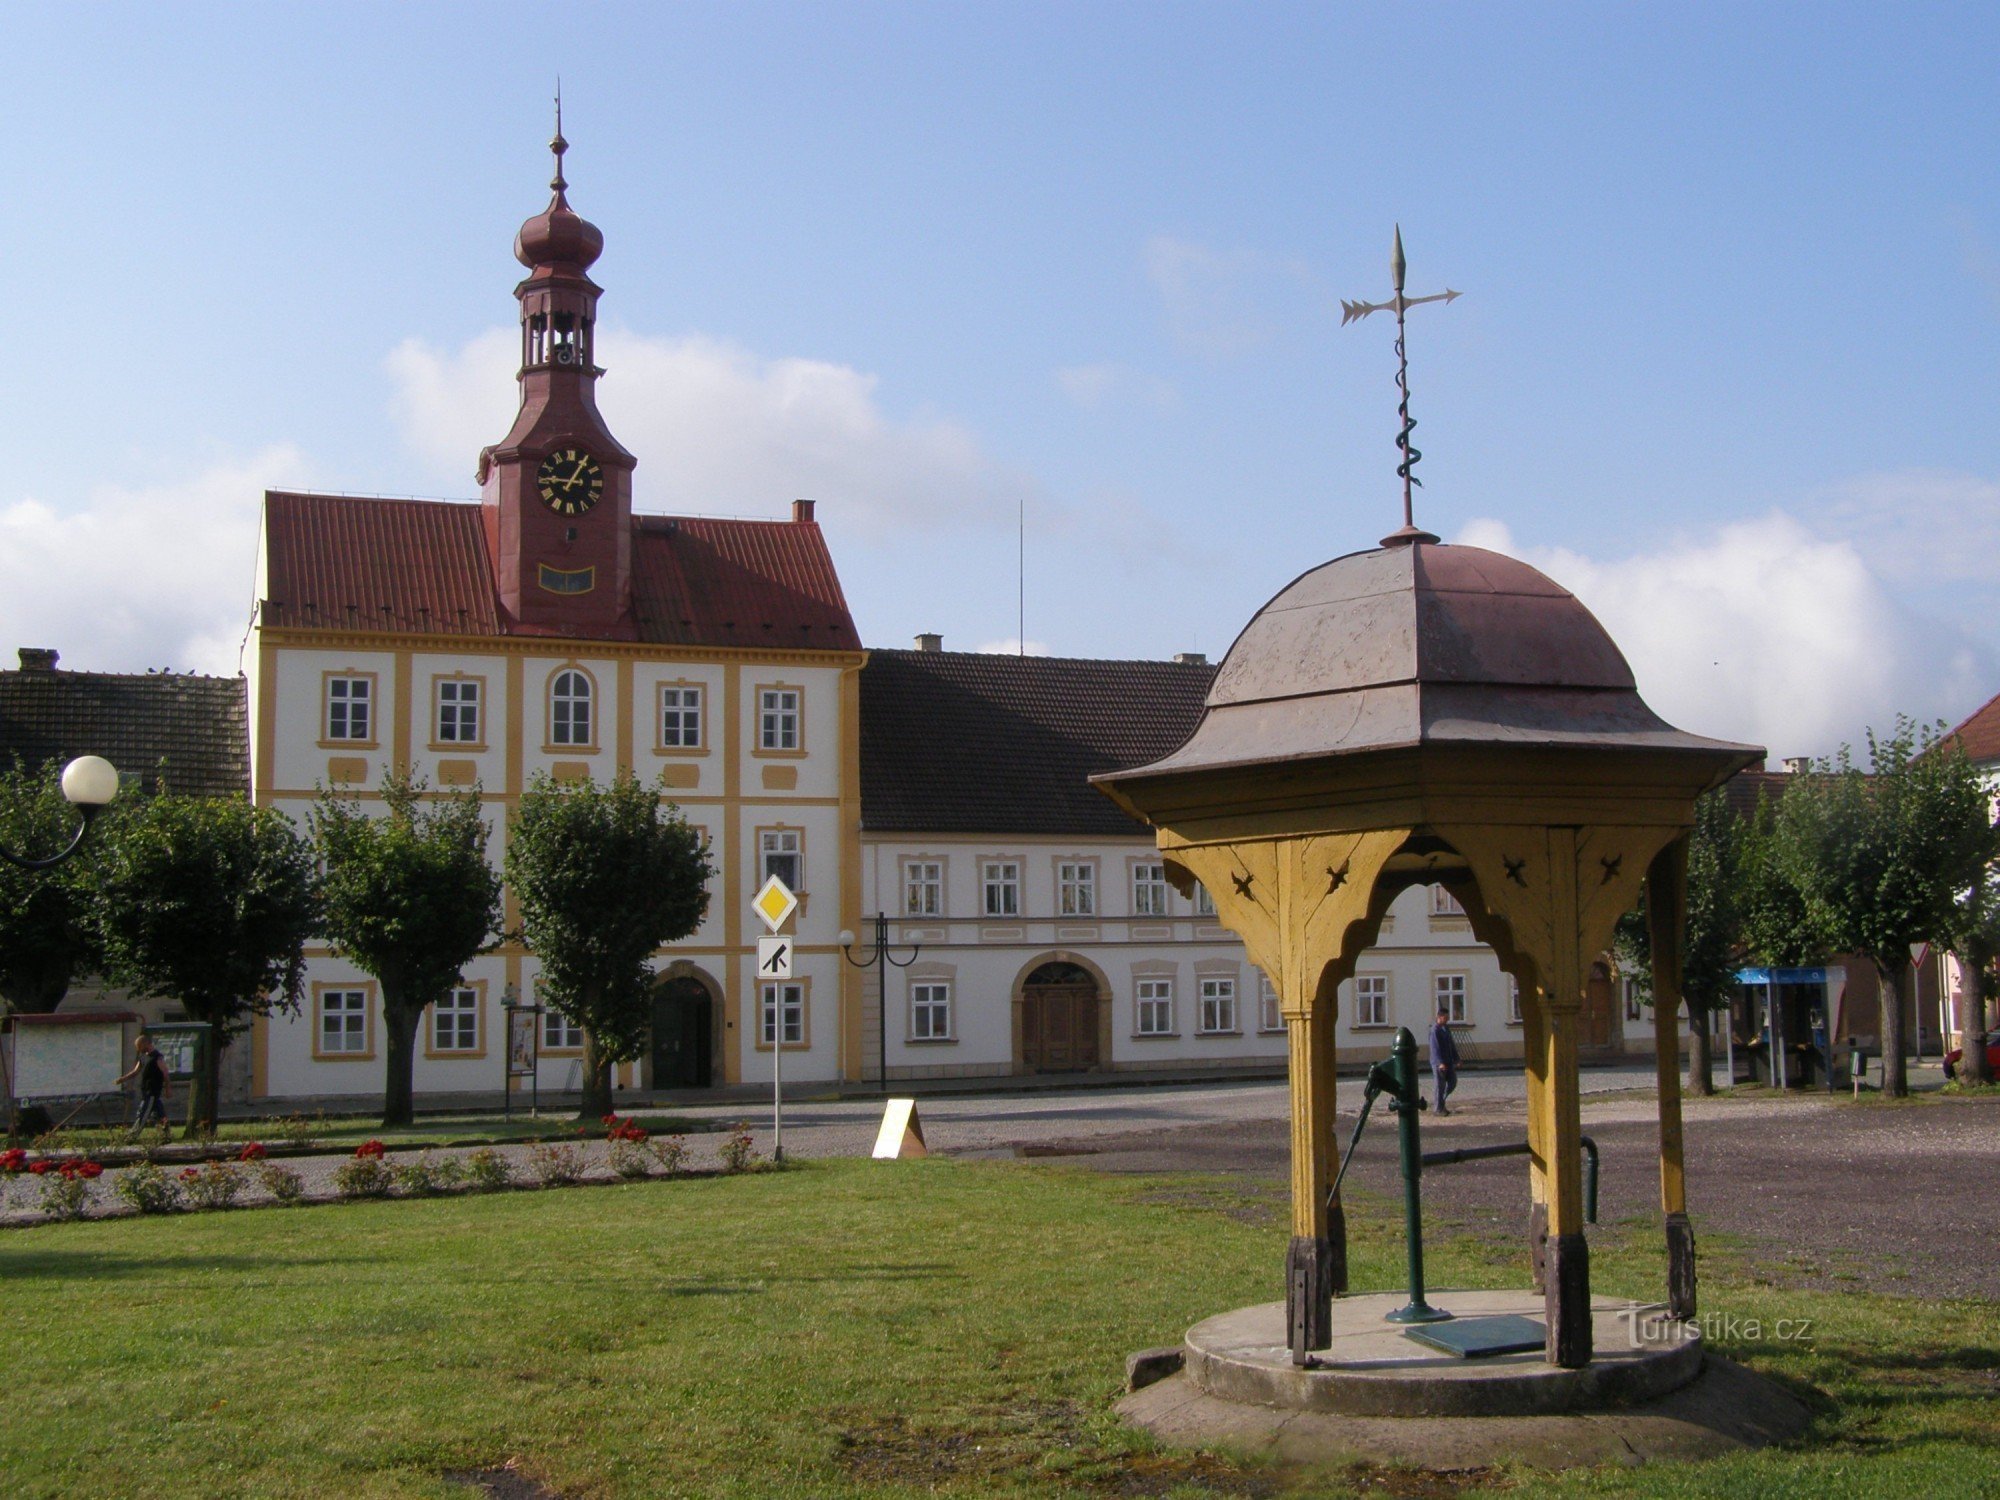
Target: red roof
[421,566]
[1980,735]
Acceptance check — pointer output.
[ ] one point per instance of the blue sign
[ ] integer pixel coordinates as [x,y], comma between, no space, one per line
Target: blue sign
[1781,976]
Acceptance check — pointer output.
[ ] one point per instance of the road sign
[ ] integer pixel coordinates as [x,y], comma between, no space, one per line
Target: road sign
[774,958]
[775,903]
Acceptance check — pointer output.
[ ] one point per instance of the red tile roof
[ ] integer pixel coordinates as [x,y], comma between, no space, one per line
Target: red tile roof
[1980,734]
[421,566]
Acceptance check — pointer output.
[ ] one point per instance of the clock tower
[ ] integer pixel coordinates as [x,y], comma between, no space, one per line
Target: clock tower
[556,492]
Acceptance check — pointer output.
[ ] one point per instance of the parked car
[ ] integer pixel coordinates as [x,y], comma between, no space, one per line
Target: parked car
[1992,1059]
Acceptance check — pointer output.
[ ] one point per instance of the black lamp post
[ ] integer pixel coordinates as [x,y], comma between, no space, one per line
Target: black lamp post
[88,783]
[880,958]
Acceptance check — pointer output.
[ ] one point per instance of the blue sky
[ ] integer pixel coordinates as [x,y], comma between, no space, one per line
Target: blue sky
[1725,363]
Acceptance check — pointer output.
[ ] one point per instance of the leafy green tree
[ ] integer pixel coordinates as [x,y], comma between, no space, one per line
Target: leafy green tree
[208,901]
[605,876]
[1974,936]
[410,897]
[1880,857]
[1711,943]
[48,926]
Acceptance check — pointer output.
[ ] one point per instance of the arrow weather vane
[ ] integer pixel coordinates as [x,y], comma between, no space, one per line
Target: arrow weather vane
[1350,312]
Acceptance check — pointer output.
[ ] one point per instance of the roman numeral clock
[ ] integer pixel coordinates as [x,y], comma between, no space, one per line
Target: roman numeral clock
[570,480]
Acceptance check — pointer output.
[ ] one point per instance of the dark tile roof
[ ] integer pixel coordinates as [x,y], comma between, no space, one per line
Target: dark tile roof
[1745,787]
[187,732]
[963,742]
[421,566]
[1980,734]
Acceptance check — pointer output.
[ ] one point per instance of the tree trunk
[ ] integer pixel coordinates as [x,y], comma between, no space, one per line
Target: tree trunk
[1895,1067]
[596,1080]
[399,1022]
[205,1088]
[1701,1067]
[1972,1062]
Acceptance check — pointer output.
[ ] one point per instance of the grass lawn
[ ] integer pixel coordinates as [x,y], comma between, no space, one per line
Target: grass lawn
[840,1328]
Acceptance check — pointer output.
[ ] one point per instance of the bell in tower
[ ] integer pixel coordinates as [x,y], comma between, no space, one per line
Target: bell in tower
[557,490]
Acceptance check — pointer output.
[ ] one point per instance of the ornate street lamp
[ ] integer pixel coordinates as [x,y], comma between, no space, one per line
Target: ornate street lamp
[879,959]
[89,783]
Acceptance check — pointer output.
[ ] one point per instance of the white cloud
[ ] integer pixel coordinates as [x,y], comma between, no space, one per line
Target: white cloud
[134,578]
[1093,386]
[719,430]
[1768,632]
[1921,526]
[1215,300]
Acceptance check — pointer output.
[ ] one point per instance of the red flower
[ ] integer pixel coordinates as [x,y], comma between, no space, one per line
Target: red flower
[371,1148]
[90,1169]
[252,1151]
[190,1174]
[14,1159]
[39,1167]
[609,1120]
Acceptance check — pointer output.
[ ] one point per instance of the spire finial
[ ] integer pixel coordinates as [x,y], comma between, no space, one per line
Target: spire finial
[558,145]
[1349,311]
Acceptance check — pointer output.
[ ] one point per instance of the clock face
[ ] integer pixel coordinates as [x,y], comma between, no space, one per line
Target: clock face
[571,481]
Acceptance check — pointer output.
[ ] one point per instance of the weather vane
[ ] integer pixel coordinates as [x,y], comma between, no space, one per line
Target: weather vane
[1349,311]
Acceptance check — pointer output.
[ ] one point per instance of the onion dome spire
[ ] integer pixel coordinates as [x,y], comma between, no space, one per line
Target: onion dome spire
[558,236]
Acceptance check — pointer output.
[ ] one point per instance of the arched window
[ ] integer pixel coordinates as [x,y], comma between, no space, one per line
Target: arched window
[569,708]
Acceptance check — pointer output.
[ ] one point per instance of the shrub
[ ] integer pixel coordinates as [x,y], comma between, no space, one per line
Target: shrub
[281,1182]
[213,1184]
[670,1151]
[739,1151]
[417,1177]
[297,1130]
[486,1169]
[148,1189]
[631,1158]
[363,1175]
[554,1163]
[66,1186]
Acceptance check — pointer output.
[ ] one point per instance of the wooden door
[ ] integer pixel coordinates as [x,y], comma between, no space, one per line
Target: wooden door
[1595,1027]
[1059,1028]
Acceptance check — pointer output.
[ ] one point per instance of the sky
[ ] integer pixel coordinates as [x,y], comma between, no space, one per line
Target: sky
[1064,280]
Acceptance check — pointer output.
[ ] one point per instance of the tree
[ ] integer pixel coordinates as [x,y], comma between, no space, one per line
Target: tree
[605,876]
[209,902]
[48,927]
[1974,936]
[1711,942]
[409,897]
[1879,858]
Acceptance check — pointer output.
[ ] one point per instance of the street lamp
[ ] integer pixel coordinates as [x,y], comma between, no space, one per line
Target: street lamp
[88,783]
[877,959]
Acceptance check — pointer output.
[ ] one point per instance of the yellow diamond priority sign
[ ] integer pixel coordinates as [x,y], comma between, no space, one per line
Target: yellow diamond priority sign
[775,903]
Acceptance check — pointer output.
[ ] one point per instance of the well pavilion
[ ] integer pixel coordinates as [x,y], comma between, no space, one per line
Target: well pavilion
[1424,713]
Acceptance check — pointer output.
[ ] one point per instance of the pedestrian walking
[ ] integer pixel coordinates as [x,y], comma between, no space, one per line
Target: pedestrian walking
[1444,1059]
[151,1071]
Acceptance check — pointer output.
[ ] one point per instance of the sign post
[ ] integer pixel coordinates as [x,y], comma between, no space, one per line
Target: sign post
[774,904]
[524,1047]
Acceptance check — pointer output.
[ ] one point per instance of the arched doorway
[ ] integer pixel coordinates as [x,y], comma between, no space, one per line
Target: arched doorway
[683,1034]
[1059,1019]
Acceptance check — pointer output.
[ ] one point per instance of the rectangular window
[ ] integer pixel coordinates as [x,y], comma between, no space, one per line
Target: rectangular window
[1149,890]
[930,1012]
[1000,885]
[1633,997]
[1371,999]
[780,852]
[923,888]
[560,1033]
[1218,1005]
[1156,1007]
[455,1022]
[1076,889]
[458,711]
[680,718]
[343,1022]
[1269,1016]
[778,719]
[789,997]
[1513,1000]
[1444,903]
[1449,996]
[1204,904]
[350,708]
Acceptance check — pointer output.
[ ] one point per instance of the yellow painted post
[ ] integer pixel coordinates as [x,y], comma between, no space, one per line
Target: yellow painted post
[1666,908]
[1567,1293]
[1534,1063]
[1316,1259]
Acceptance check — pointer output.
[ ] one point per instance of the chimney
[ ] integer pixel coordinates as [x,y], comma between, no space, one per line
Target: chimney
[930,641]
[1191,658]
[38,658]
[802,510]
[1798,765]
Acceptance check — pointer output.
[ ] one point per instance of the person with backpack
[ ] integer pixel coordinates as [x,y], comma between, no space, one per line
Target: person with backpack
[1444,1059]
[151,1071]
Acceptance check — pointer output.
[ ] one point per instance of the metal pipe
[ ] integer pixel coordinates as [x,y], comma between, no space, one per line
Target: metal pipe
[1521,1148]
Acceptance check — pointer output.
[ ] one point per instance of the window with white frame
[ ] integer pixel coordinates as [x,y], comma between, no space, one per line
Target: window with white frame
[1204,904]
[778,719]
[1218,1004]
[1444,903]
[560,1033]
[1371,999]
[455,1022]
[680,718]
[1448,995]
[923,888]
[788,999]
[1634,996]
[570,708]
[1155,1007]
[1513,1000]
[350,708]
[1149,890]
[1000,888]
[1076,888]
[1270,1017]
[930,1011]
[781,852]
[458,711]
[343,1021]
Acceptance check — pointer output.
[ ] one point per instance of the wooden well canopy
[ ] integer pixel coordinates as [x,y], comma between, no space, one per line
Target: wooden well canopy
[1423,713]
